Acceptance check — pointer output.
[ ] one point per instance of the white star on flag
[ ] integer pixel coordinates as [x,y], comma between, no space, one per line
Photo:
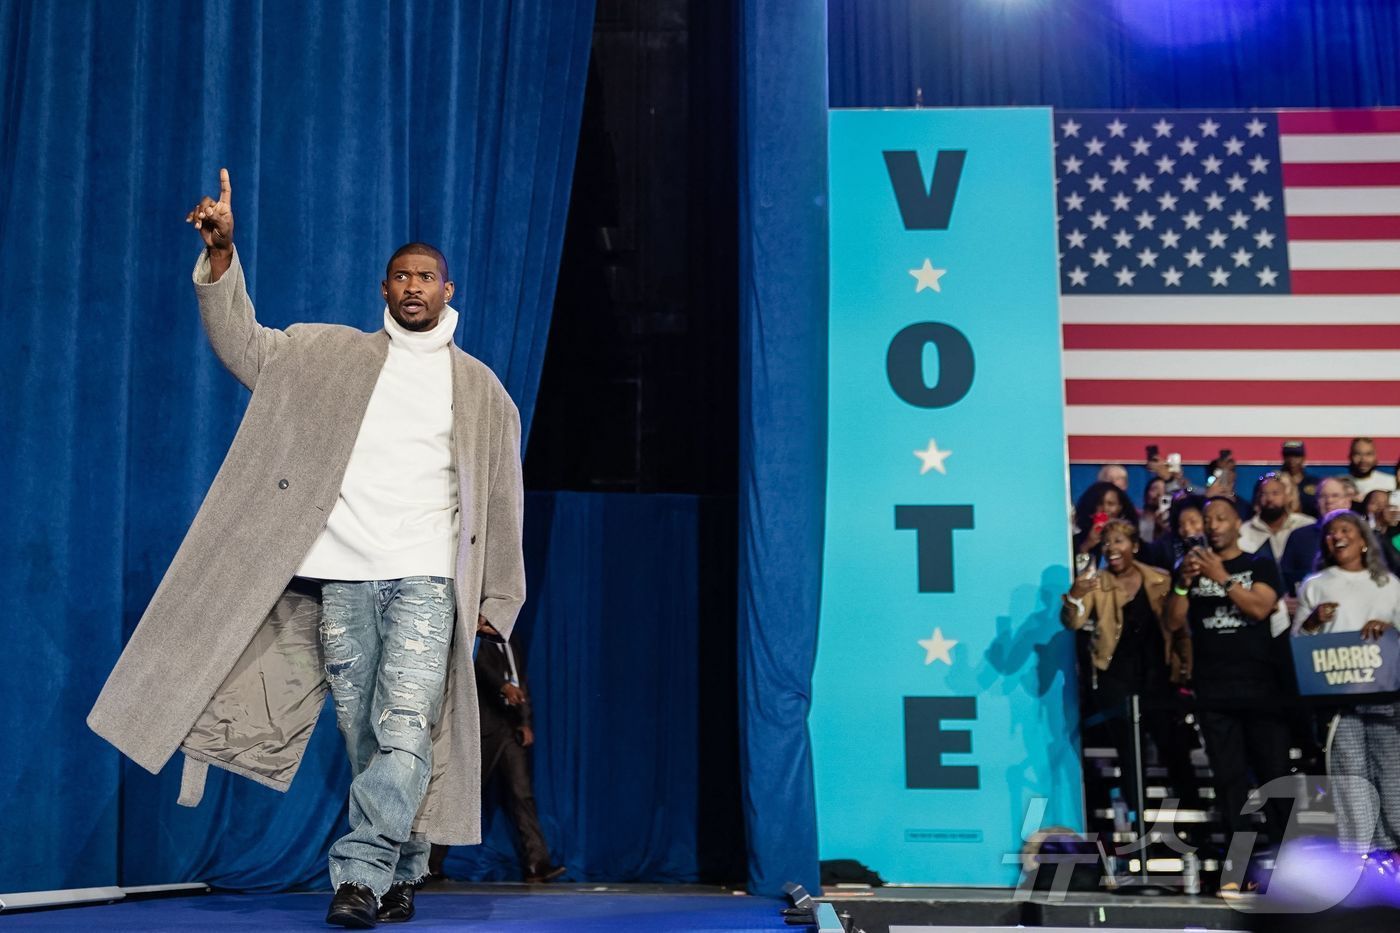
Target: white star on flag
[938,648]
[933,458]
[928,277]
[1256,127]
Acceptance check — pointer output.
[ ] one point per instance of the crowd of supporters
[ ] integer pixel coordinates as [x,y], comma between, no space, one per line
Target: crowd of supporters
[1191,603]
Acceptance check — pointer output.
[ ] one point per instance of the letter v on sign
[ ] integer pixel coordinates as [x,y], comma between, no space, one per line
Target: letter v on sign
[925,209]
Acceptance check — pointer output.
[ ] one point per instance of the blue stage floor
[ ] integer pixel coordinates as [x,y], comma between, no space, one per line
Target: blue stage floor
[561,911]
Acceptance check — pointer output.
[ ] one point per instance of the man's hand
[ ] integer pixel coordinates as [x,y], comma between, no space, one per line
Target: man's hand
[525,735]
[485,628]
[214,221]
[1210,565]
[1375,628]
[514,696]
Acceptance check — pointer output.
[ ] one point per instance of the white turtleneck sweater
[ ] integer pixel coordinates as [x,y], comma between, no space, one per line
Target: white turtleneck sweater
[397,515]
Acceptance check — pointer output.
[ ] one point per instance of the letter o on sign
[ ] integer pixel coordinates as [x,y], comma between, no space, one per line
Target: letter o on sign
[904,364]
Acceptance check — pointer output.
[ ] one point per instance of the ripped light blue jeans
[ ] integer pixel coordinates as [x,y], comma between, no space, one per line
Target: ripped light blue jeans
[386,644]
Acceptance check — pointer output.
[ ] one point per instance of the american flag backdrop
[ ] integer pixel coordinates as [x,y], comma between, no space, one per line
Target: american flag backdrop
[1229,280]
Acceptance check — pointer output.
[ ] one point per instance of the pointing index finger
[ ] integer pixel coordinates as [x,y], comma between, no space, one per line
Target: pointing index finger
[224,189]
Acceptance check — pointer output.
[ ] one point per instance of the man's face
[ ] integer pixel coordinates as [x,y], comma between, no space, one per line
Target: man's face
[1294,463]
[415,291]
[1272,496]
[1363,458]
[1222,524]
[1331,495]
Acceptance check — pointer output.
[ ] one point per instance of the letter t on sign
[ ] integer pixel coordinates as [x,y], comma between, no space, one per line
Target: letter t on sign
[935,525]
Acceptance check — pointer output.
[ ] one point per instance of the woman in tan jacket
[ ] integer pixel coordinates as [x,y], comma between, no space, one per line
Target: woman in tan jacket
[1133,651]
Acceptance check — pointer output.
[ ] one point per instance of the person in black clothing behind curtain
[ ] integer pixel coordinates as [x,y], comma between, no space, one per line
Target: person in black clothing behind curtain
[1226,596]
[506,737]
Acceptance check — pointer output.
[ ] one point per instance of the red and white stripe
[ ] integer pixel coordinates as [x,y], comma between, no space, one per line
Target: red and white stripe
[1341,193]
[1322,365]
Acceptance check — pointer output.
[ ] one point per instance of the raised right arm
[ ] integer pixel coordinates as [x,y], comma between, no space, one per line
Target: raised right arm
[239,341]
[242,344]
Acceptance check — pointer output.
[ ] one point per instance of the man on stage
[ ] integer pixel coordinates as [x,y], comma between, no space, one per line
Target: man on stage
[364,526]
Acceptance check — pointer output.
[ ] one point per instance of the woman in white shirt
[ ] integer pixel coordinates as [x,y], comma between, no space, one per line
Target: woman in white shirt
[1353,591]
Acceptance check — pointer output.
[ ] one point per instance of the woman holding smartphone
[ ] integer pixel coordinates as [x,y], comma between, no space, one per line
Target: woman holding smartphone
[1100,503]
[1354,591]
[1132,651]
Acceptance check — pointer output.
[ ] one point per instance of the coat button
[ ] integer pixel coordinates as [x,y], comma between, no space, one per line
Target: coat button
[282,484]
[473,539]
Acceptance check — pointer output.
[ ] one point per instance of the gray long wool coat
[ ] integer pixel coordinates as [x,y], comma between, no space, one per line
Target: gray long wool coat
[225,665]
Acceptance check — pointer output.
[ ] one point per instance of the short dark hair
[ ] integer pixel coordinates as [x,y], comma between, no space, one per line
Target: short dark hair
[417,248]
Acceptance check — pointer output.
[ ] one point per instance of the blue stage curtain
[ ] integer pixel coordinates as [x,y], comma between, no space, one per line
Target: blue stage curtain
[782,429]
[1115,53]
[349,127]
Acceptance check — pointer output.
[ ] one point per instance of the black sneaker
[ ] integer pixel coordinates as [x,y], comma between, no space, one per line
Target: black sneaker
[396,906]
[353,906]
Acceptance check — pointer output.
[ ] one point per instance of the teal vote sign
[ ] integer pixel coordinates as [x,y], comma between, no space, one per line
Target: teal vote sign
[944,715]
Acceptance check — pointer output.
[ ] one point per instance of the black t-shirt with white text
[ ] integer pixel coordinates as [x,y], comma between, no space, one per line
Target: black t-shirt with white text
[1228,646]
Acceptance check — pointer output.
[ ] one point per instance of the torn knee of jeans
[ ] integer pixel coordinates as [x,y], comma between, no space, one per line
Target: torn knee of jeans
[403,718]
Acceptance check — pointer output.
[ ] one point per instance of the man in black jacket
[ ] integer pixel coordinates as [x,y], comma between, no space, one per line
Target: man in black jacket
[506,736]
